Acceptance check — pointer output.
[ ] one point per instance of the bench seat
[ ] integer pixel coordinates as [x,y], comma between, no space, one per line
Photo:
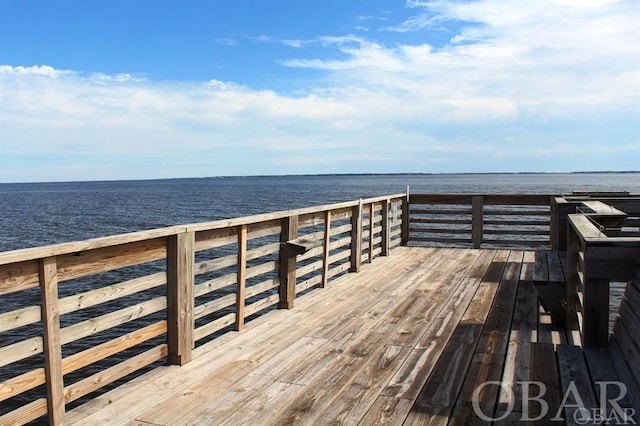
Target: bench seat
[550,282]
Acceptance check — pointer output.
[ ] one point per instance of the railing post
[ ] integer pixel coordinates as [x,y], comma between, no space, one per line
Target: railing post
[180,283]
[371,217]
[242,276]
[356,237]
[52,343]
[572,280]
[596,312]
[327,249]
[385,228]
[553,224]
[595,322]
[404,235]
[477,211]
[559,221]
[287,289]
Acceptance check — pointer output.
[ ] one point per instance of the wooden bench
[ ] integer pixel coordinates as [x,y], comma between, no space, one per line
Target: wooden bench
[550,282]
[594,371]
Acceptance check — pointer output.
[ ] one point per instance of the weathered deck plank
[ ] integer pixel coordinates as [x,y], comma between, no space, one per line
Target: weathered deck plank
[410,378]
[359,397]
[544,369]
[438,398]
[408,339]
[328,388]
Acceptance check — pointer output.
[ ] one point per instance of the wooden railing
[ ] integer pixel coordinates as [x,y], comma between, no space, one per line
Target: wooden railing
[480,220]
[79,316]
[599,251]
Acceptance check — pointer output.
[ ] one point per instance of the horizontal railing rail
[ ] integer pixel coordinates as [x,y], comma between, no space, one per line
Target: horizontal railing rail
[480,220]
[77,317]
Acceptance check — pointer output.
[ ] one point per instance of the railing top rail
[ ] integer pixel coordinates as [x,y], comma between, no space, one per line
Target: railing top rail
[608,198]
[264,217]
[496,199]
[600,208]
[600,194]
[32,253]
[585,228]
[590,232]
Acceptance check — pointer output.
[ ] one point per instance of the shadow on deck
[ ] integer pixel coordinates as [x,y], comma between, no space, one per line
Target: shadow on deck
[413,339]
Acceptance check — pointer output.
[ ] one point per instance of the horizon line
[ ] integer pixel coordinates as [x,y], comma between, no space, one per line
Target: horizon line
[332,174]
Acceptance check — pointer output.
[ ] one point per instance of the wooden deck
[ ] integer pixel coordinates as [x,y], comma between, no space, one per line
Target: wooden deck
[407,340]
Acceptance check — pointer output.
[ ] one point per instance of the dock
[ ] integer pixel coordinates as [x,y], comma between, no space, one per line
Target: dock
[402,309]
[360,351]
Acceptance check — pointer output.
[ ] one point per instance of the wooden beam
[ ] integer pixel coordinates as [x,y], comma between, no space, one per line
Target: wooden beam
[520,199]
[280,215]
[541,270]
[18,276]
[91,262]
[102,378]
[180,288]
[615,263]
[561,217]
[477,203]
[596,312]
[242,276]
[493,199]
[571,274]
[287,289]
[371,230]
[544,368]
[574,373]
[109,320]
[97,353]
[327,249]
[586,228]
[440,198]
[386,238]
[35,253]
[356,238]
[52,344]
[26,413]
[553,226]
[404,236]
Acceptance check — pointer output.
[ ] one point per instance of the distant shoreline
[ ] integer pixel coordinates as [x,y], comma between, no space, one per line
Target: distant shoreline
[425,174]
[334,175]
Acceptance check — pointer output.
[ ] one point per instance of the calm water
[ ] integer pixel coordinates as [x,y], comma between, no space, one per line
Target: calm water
[47,213]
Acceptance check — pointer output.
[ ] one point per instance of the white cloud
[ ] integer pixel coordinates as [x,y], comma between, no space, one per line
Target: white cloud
[296,43]
[550,54]
[262,38]
[118,78]
[36,70]
[371,18]
[226,41]
[529,79]
[415,23]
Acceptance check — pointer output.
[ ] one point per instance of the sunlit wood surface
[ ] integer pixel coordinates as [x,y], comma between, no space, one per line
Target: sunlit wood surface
[406,340]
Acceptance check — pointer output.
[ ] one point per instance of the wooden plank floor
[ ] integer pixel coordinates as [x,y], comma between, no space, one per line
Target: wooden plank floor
[405,341]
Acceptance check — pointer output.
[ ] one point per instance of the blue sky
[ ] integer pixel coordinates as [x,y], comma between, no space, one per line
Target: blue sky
[100,90]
